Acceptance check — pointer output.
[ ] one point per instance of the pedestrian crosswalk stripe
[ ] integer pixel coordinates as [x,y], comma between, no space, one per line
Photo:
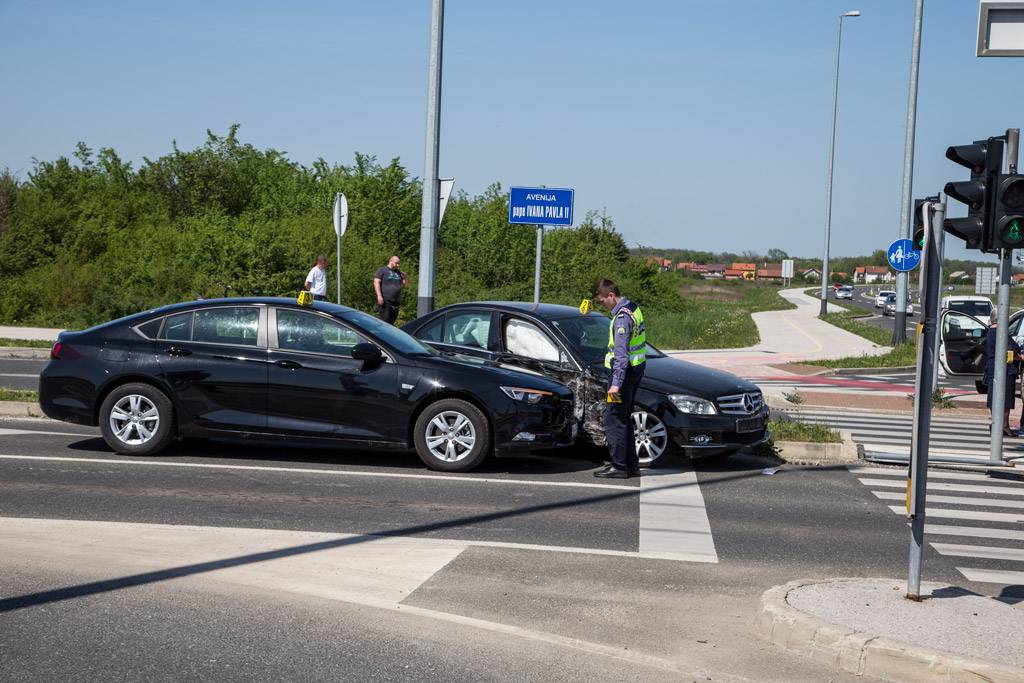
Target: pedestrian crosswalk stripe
[883,417]
[953,500]
[975,515]
[947,486]
[902,472]
[992,576]
[982,551]
[973,532]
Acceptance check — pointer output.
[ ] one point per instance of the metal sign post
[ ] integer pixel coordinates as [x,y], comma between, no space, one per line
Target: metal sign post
[340,226]
[917,476]
[430,214]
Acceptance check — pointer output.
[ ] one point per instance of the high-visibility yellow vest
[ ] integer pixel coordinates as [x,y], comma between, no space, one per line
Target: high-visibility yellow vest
[637,341]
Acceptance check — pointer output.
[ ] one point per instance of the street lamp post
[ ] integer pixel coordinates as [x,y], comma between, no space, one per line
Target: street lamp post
[831,159]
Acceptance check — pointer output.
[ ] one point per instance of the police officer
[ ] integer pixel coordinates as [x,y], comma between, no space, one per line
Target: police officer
[626,358]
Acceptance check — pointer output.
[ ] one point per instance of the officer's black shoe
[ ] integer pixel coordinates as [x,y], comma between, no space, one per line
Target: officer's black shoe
[612,473]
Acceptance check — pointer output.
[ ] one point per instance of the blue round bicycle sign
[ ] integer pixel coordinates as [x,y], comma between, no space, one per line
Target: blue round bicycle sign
[902,256]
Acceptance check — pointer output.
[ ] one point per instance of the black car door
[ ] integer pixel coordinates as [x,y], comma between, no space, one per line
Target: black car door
[215,361]
[316,388]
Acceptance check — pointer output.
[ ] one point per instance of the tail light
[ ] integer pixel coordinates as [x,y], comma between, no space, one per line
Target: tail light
[55,351]
[62,351]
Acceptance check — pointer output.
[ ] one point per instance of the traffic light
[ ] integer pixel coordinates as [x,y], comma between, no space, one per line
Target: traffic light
[919,233]
[1008,212]
[985,160]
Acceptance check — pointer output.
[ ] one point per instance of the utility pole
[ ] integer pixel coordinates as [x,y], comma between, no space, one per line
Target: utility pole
[431,185]
[899,330]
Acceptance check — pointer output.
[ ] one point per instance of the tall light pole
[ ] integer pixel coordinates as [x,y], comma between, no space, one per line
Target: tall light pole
[831,159]
[899,330]
[430,215]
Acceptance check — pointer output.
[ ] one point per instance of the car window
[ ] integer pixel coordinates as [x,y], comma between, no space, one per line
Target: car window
[177,327]
[525,339]
[467,328]
[300,331]
[432,331]
[979,309]
[229,325]
[960,326]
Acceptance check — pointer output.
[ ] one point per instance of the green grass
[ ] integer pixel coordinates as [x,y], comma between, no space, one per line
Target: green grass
[27,343]
[19,395]
[791,430]
[713,315]
[851,321]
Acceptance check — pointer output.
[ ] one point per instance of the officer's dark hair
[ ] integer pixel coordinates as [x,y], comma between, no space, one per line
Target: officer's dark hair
[606,287]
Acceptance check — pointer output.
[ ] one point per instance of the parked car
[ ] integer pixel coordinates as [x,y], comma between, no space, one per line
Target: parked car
[680,405]
[323,373]
[882,297]
[844,292]
[890,306]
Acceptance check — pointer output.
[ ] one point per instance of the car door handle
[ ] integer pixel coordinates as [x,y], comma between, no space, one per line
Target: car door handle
[288,364]
[178,351]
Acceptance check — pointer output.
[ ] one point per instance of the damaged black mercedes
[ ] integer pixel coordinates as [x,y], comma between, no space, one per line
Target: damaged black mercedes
[680,406]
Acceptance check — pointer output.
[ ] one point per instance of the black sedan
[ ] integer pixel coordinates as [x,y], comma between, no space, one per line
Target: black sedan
[680,405]
[270,368]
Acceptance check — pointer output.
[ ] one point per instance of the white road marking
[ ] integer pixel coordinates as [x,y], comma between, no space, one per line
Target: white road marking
[973,532]
[946,486]
[673,520]
[953,500]
[11,432]
[313,470]
[9,374]
[975,515]
[983,551]
[902,472]
[992,576]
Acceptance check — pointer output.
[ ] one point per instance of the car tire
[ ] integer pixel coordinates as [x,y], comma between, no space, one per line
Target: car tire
[653,445]
[452,435]
[137,419]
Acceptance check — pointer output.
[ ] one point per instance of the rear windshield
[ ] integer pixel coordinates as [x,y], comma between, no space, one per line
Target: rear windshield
[977,309]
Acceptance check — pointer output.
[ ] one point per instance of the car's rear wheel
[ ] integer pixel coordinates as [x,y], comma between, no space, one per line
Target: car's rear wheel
[137,419]
[452,435]
[651,438]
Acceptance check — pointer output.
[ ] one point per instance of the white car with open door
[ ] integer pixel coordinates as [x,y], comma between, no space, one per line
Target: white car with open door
[962,344]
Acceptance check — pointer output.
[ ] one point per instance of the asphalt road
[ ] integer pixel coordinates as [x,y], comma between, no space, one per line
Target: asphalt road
[861,299]
[18,373]
[543,550]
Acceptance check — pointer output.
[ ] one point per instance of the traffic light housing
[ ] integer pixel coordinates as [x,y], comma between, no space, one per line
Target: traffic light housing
[1008,211]
[985,160]
[919,229]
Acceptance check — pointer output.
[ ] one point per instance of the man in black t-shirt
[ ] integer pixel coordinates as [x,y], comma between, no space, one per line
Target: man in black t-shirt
[388,283]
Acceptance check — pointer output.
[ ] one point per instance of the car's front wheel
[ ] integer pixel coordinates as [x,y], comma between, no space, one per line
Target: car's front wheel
[137,419]
[650,436]
[452,435]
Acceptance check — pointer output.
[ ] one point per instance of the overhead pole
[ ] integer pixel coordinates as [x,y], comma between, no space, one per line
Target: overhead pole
[431,185]
[899,330]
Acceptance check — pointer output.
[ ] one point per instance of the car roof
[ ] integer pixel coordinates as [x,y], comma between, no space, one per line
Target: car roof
[967,297]
[325,306]
[541,310]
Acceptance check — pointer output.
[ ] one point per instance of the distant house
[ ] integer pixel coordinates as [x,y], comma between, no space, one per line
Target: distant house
[713,270]
[742,267]
[666,264]
[686,266]
[734,273]
[811,274]
[1017,279]
[771,271]
[869,274]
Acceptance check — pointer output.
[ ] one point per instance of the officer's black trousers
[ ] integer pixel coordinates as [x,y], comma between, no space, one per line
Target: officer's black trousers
[618,423]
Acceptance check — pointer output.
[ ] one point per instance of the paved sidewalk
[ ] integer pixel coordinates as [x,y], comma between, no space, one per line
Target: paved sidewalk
[867,627]
[34,333]
[786,337]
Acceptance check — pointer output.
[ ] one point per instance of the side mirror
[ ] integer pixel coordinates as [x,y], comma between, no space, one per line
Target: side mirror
[367,352]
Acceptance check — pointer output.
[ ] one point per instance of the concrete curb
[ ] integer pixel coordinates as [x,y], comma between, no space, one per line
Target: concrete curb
[20,409]
[864,654]
[805,453]
[24,352]
[861,371]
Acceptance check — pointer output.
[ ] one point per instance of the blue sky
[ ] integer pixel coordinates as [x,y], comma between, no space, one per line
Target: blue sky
[697,123]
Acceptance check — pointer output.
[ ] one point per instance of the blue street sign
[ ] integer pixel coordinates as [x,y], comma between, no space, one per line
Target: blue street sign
[540,205]
[902,256]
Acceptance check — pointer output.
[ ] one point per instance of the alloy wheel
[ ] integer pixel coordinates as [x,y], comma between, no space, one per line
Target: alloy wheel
[650,437]
[134,420]
[450,436]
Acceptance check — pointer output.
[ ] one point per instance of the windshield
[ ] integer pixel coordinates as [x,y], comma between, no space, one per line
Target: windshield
[588,335]
[392,336]
[978,309]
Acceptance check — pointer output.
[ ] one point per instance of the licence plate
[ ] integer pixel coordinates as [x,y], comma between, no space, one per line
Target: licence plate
[749,424]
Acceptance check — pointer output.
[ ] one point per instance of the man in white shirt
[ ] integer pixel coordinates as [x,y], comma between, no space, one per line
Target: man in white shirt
[316,281]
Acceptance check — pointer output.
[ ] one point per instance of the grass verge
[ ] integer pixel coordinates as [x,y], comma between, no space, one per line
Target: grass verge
[792,430]
[850,320]
[27,343]
[713,315]
[19,395]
